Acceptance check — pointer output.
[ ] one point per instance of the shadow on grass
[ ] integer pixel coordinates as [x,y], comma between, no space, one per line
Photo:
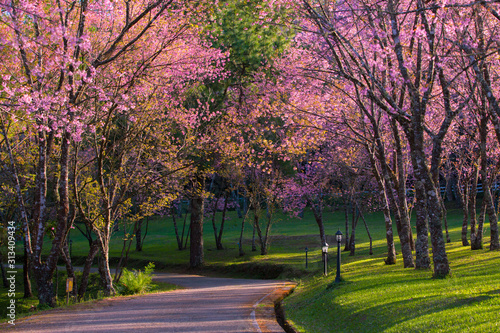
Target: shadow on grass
[469,268]
[413,309]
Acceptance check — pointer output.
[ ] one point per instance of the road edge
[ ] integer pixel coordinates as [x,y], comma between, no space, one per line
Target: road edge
[268,315]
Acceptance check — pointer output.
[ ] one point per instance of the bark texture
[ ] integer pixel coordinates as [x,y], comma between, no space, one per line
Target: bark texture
[196,244]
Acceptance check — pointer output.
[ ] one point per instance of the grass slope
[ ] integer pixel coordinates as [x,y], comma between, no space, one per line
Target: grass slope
[375,297]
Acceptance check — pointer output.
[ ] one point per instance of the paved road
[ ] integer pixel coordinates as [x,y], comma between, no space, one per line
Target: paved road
[206,305]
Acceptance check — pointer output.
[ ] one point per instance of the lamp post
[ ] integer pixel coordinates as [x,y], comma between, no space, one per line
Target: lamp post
[324,248]
[338,236]
[306,256]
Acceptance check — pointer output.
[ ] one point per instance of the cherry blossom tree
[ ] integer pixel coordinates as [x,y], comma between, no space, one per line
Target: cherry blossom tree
[407,71]
[476,36]
[76,68]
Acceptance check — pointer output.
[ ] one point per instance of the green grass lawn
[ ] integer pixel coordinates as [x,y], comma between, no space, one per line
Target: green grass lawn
[373,297]
[289,237]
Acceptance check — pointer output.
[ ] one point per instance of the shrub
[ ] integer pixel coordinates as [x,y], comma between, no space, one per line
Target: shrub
[136,281]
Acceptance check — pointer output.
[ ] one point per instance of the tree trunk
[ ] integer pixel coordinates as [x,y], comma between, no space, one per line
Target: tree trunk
[138,236]
[180,209]
[346,216]
[46,269]
[256,228]
[245,205]
[439,256]
[187,234]
[476,239]
[26,273]
[401,217]
[463,197]
[127,243]
[240,243]
[367,230]
[493,219]
[43,280]
[214,226]
[473,208]
[196,244]
[465,225]
[422,258]
[94,249]
[4,276]
[487,182]
[265,247]
[69,267]
[431,193]
[399,208]
[180,245]
[352,242]
[450,185]
[105,274]
[255,222]
[45,287]
[177,236]
[318,216]
[400,187]
[218,239]
[263,238]
[445,220]
[389,235]
[236,198]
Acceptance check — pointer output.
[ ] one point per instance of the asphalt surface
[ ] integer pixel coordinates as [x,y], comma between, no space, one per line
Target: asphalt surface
[206,305]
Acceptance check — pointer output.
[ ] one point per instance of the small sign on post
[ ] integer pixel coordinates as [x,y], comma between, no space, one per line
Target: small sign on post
[69,288]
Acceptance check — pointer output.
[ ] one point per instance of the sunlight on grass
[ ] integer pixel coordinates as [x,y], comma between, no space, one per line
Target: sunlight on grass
[379,298]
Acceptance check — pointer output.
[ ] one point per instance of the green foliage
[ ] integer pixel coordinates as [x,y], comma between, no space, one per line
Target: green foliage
[136,281]
[42,307]
[248,30]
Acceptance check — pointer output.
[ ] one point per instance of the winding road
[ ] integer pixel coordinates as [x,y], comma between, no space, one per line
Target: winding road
[205,305]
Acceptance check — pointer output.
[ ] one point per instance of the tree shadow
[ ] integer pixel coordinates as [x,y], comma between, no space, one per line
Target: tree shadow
[415,307]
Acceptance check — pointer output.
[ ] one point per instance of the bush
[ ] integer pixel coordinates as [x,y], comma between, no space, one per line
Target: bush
[136,282]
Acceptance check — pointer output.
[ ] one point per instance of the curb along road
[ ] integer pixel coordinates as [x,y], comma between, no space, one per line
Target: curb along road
[206,305]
